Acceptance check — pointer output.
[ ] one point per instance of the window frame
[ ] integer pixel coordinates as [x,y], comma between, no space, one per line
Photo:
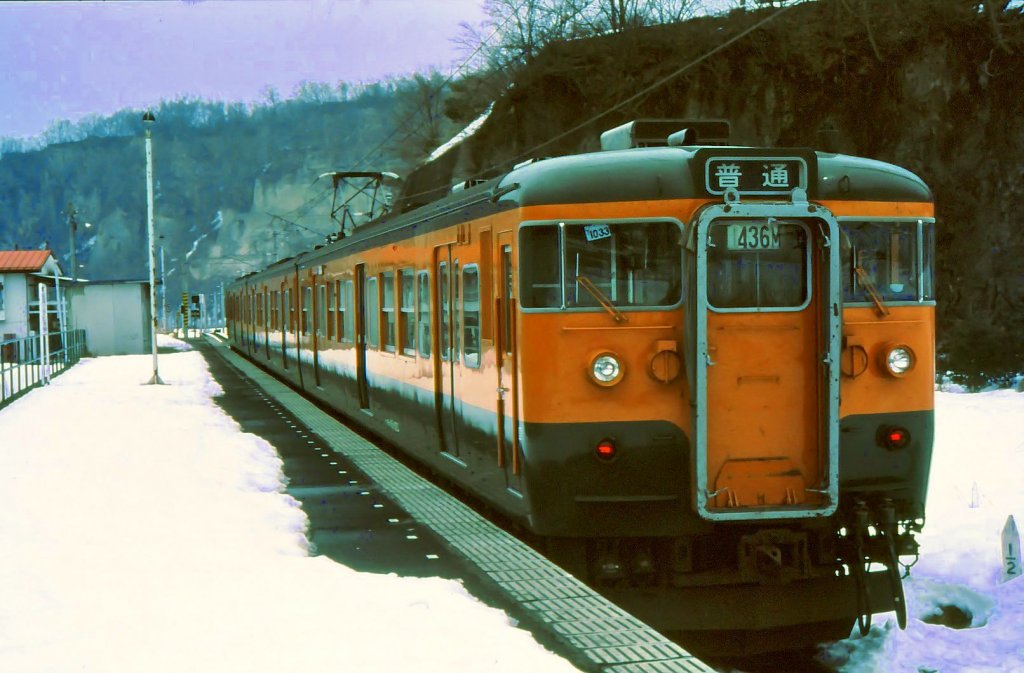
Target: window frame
[307,310]
[372,312]
[320,314]
[479,317]
[388,314]
[922,280]
[423,292]
[518,289]
[406,314]
[348,333]
[808,275]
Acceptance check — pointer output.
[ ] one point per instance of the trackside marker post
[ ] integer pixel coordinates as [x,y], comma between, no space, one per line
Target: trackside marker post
[1011,550]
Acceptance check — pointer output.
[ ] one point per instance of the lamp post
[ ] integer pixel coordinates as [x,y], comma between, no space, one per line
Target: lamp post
[73,230]
[147,120]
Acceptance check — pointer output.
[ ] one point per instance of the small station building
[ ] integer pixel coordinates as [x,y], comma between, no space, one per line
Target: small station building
[21,274]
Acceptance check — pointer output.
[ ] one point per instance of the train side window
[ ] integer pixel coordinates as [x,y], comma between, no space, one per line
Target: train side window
[456,313]
[372,313]
[758,263]
[330,301]
[927,261]
[471,315]
[286,325]
[507,297]
[388,308]
[321,310]
[880,256]
[540,268]
[339,315]
[423,294]
[307,311]
[348,320]
[407,312]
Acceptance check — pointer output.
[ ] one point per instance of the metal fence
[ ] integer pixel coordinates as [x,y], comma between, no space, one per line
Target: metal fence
[24,366]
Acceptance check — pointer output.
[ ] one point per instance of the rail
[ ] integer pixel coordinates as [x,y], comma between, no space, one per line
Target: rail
[23,365]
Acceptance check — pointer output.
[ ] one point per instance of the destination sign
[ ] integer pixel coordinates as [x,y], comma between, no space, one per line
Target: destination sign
[755,175]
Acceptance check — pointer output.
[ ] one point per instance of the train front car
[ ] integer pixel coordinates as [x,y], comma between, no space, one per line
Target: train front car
[725,367]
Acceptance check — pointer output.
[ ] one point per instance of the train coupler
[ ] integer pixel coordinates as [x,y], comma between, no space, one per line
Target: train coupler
[774,557]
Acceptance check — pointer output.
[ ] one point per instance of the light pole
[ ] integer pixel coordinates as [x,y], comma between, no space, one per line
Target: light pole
[147,120]
[73,230]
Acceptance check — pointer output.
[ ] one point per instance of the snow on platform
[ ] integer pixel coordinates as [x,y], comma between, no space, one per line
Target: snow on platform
[142,531]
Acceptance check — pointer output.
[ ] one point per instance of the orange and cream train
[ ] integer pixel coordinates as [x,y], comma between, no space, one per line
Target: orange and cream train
[700,376]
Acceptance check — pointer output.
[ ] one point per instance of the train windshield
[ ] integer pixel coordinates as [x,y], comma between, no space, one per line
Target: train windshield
[892,259]
[758,264]
[577,265]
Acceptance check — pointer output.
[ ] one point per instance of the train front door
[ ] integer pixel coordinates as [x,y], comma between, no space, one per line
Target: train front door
[447,363]
[766,362]
[507,431]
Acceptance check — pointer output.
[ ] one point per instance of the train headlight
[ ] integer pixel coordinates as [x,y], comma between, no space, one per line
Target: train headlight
[606,370]
[898,359]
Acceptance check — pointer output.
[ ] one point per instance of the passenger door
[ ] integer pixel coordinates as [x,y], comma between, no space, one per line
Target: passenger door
[767,345]
[446,361]
[361,325]
[507,430]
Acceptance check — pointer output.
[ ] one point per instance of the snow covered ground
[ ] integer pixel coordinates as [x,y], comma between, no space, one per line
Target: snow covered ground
[141,531]
[977,481]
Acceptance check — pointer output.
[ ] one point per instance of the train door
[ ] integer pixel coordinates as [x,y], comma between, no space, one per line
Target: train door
[297,324]
[447,361]
[505,350]
[361,334]
[286,313]
[766,360]
[266,321]
[318,308]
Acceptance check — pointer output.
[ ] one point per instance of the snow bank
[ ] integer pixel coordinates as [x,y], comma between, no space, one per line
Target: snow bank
[976,483]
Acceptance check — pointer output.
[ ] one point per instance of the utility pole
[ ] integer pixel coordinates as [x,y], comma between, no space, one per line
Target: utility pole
[73,230]
[163,291]
[147,120]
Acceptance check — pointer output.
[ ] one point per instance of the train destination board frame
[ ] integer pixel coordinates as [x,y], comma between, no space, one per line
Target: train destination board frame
[755,175]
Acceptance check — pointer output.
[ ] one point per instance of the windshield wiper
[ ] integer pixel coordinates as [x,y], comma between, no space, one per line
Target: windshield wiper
[601,298]
[869,285]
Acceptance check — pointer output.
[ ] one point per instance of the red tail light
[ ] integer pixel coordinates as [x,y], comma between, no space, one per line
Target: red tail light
[894,437]
[605,449]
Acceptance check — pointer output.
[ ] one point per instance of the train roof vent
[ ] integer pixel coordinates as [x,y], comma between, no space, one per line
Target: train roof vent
[467,184]
[663,132]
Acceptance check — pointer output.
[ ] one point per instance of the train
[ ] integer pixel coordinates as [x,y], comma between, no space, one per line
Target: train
[698,375]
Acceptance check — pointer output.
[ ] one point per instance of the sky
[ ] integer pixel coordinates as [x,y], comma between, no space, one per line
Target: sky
[66,60]
[90,583]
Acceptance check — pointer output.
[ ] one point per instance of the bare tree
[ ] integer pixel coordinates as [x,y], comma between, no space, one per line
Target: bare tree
[419,115]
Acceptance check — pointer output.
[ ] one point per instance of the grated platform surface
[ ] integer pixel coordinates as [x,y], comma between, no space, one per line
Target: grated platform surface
[603,635]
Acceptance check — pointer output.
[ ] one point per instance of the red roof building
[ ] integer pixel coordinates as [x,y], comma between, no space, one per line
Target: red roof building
[21,274]
[25,261]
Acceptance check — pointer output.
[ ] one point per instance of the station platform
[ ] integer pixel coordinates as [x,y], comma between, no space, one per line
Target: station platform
[370,512]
